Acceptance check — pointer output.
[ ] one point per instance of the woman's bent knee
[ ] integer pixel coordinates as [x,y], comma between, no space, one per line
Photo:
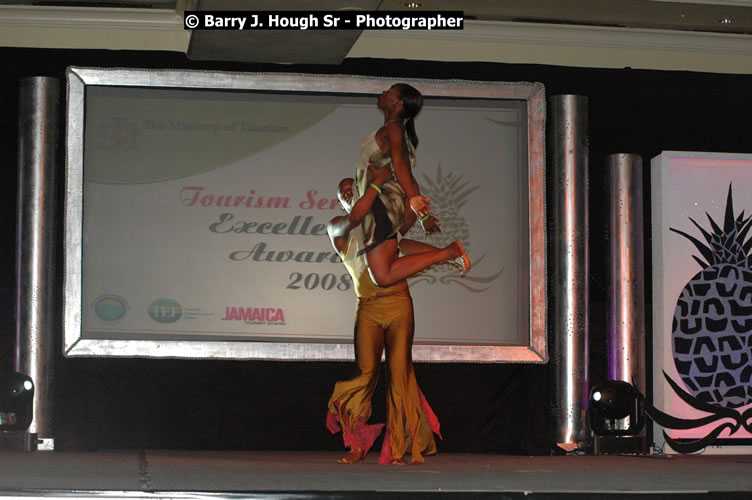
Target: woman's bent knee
[381,278]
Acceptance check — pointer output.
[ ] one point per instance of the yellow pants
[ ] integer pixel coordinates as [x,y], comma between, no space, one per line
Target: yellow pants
[384,323]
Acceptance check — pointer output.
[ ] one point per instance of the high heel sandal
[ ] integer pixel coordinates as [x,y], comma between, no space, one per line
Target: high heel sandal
[463,261]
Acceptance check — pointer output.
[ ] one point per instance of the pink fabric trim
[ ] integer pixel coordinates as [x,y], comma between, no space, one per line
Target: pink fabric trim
[332,423]
[386,449]
[433,420]
[360,436]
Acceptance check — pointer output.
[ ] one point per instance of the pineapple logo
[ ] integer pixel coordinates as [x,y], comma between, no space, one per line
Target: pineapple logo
[448,195]
[712,327]
[712,332]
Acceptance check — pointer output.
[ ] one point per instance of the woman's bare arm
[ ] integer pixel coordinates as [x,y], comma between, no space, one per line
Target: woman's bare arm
[401,166]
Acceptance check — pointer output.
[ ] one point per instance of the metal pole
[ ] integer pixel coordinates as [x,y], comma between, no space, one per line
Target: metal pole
[625,335]
[570,272]
[36,332]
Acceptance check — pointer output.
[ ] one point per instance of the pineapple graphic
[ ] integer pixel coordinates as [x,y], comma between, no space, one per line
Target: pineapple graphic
[712,326]
[448,195]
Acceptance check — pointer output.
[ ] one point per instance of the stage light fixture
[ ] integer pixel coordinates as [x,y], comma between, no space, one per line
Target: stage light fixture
[16,401]
[616,409]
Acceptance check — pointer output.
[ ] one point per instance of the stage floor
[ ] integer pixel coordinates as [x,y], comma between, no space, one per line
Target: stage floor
[234,474]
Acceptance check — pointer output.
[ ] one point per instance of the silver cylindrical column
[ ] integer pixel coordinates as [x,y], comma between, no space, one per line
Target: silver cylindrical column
[36,332]
[570,268]
[625,325]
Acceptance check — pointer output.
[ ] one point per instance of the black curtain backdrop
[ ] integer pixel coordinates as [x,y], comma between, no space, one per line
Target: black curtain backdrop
[259,405]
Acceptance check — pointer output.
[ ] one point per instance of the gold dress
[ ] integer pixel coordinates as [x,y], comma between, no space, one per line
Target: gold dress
[383,319]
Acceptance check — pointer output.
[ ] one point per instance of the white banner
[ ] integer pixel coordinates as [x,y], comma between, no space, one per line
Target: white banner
[204,214]
[702,298]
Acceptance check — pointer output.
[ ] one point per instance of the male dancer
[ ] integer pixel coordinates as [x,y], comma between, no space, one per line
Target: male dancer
[384,319]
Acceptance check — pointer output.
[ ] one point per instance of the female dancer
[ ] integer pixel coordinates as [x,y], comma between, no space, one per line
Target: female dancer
[393,146]
[384,319]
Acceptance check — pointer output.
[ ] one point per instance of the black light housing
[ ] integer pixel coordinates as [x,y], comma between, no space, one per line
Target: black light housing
[16,401]
[616,409]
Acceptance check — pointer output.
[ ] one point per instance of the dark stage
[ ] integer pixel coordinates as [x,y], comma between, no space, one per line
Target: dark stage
[236,474]
[492,416]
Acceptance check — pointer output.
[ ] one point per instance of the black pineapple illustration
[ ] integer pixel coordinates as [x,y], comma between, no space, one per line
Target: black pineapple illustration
[712,325]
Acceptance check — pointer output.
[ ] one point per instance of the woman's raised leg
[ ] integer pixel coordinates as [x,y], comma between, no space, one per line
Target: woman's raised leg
[387,267]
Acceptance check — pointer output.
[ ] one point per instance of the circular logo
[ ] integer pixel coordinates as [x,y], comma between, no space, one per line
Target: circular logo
[110,307]
[165,310]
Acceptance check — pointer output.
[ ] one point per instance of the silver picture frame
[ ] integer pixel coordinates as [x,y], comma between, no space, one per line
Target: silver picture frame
[534,350]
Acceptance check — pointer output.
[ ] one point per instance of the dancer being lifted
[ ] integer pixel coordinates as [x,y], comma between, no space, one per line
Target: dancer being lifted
[393,146]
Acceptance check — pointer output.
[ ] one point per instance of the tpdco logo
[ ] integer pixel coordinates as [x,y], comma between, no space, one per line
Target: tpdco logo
[165,310]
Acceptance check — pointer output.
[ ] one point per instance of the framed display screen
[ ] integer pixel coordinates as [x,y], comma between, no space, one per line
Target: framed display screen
[197,204]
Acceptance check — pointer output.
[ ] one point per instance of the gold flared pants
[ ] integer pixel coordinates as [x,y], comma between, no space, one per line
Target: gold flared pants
[385,323]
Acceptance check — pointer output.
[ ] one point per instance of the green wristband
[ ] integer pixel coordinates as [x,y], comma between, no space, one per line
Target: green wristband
[424,218]
[377,188]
